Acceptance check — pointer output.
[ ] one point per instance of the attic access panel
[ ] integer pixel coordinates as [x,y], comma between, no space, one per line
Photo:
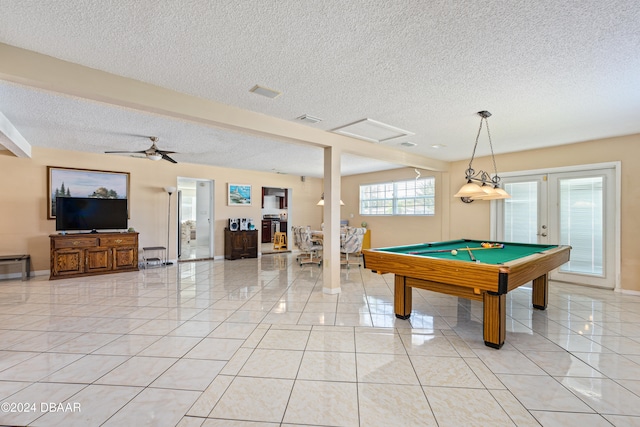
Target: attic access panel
[372,131]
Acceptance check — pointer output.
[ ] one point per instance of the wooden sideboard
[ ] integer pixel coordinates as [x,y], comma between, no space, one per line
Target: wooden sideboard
[240,244]
[74,255]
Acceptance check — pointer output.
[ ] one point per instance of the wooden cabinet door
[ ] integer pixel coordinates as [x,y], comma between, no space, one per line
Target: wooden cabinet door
[266,231]
[98,259]
[124,258]
[67,262]
[284,201]
[251,244]
[233,244]
[236,240]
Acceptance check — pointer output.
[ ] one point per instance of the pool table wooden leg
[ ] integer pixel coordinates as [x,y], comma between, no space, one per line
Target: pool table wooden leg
[495,319]
[540,292]
[402,298]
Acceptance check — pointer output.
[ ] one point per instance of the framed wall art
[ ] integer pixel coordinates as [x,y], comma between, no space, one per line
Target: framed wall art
[71,182]
[239,195]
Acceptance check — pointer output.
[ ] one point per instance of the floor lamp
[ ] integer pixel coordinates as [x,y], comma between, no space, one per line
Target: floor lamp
[169,190]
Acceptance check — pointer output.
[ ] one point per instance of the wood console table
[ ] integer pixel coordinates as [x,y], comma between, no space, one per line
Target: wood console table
[75,255]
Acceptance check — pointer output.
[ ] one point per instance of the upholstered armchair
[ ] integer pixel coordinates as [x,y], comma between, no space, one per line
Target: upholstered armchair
[351,243]
[309,248]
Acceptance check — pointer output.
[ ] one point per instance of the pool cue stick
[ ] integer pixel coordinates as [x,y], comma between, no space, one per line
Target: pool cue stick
[433,251]
[473,258]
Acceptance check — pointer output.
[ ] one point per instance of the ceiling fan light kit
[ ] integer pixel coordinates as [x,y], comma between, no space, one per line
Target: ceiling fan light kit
[480,185]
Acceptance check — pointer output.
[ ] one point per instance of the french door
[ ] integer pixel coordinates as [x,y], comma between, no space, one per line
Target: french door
[572,207]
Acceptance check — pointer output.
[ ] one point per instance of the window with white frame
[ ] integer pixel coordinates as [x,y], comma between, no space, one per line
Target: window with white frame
[411,197]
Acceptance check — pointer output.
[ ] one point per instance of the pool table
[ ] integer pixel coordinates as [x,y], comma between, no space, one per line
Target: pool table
[487,277]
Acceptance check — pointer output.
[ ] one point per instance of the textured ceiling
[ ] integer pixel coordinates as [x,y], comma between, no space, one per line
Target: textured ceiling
[551,72]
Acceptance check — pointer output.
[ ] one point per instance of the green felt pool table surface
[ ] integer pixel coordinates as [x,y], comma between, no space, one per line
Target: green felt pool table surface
[508,252]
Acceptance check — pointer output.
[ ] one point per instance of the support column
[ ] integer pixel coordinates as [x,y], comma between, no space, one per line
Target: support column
[331,243]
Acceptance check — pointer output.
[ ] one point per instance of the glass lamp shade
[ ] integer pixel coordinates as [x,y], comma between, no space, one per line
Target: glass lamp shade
[489,193]
[321,203]
[155,157]
[470,189]
[494,194]
[503,193]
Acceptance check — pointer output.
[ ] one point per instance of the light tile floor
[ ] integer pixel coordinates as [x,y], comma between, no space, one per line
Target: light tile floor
[256,343]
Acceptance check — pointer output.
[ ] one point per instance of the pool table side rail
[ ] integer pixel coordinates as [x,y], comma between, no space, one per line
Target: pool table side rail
[533,266]
[480,276]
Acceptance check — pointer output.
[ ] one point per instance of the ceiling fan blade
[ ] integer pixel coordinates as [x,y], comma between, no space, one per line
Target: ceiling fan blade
[151,153]
[123,152]
[167,158]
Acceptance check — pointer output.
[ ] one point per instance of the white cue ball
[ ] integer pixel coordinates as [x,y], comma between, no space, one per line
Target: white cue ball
[454,252]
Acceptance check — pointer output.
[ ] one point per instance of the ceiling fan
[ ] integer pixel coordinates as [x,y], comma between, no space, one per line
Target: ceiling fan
[152,152]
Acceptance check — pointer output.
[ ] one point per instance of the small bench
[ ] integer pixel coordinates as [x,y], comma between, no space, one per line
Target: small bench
[23,260]
[156,259]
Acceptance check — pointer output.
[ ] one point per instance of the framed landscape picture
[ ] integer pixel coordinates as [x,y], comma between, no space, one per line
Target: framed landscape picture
[239,195]
[70,182]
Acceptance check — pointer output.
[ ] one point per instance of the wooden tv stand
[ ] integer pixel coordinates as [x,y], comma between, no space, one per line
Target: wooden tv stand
[87,254]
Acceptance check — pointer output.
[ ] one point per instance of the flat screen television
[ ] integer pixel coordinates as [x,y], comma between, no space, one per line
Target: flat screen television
[88,213]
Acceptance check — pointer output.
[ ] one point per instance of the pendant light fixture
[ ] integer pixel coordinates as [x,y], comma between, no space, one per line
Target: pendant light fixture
[480,185]
[321,202]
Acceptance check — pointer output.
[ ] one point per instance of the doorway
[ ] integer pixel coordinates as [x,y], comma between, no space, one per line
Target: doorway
[571,206]
[275,219]
[195,219]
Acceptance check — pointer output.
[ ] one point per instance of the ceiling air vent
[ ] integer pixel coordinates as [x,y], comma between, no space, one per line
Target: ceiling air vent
[308,119]
[261,90]
[408,144]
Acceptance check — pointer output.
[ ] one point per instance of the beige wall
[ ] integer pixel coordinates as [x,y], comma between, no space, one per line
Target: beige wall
[394,230]
[24,227]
